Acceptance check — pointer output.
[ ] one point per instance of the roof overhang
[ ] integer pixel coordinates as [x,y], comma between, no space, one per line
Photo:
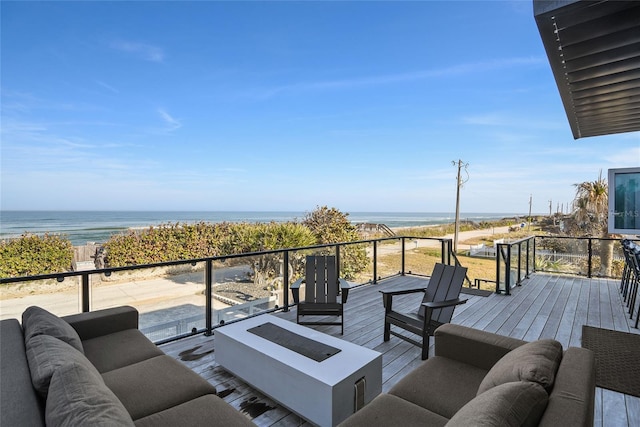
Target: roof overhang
[594,51]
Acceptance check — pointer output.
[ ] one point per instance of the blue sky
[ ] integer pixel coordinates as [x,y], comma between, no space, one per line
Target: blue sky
[357,105]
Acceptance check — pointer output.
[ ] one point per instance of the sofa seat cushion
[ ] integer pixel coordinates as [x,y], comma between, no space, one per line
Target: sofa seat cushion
[441,385]
[154,385]
[207,410]
[536,361]
[46,354]
[78,397]
[390,410]
[113,351]
[515,404]
[38,321]
[20,402]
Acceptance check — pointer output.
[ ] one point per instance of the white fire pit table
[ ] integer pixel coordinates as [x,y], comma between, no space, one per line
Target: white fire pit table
[323,392]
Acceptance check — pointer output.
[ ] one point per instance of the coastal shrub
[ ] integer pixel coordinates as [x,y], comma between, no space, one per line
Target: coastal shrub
[31,255]
[266,268]
[173,242]
[546,263]
[176,241]
[330,225]
[166,242]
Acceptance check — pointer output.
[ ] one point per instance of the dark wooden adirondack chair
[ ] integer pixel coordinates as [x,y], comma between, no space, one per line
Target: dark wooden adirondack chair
[322,288]
[441,296]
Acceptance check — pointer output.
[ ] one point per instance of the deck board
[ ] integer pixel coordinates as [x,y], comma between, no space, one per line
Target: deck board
[545,306]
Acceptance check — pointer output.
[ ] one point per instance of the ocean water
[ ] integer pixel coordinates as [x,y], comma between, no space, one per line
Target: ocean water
[97,226]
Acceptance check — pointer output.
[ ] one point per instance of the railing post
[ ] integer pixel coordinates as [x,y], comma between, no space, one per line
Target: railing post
[208,281]
[590,251]
[535,244]
[444,247]
[528,255]
[519,279]
[498,256]
[285,281]
[402,256]
[85,292]
[507,271]
[375,261]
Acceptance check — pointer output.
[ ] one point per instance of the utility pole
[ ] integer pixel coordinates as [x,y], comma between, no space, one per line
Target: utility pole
[530,200]
[459,184]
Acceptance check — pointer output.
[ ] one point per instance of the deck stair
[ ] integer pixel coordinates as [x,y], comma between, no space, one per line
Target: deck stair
[366,227]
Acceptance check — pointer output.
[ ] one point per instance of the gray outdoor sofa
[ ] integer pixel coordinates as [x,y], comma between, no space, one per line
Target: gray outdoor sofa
[98,369]
[477,378]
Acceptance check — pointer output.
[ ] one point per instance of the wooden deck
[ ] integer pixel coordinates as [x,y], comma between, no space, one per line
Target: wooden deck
[545,306]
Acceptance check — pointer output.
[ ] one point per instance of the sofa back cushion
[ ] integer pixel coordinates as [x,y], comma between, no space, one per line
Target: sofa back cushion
[574,390]
[536,361]
[47,354]
[79,397]
[514,404]
[38,321]
[20,403]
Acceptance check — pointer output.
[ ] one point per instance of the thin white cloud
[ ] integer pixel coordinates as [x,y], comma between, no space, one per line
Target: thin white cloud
[459,69]
[488,119]
[16,102]
[501,119]
[107,86]
[625,158]
[141,50]
[171,122]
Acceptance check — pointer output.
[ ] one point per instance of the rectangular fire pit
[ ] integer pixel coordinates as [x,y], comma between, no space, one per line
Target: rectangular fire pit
[323,392]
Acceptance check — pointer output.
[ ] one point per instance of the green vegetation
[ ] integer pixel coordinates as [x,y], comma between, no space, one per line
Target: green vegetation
[329,225]
[590,218]
[170,242]
[546,263]
[32,255]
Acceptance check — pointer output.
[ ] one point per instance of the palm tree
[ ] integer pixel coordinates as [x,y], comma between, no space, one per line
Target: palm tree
[590,214]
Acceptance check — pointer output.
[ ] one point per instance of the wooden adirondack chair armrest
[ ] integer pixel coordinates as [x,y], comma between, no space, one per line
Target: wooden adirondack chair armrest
[387,296]
[403,291]
[442,304]
[344,289]
[430,306]
[295,290]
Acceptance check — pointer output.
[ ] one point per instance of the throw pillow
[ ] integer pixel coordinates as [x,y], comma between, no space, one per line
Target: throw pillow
[79,398]
[46,354]
[537,361]
[513,404]
[38,321]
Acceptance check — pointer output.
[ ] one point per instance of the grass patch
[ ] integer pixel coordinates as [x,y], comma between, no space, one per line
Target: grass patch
[513,235]
[422,260]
